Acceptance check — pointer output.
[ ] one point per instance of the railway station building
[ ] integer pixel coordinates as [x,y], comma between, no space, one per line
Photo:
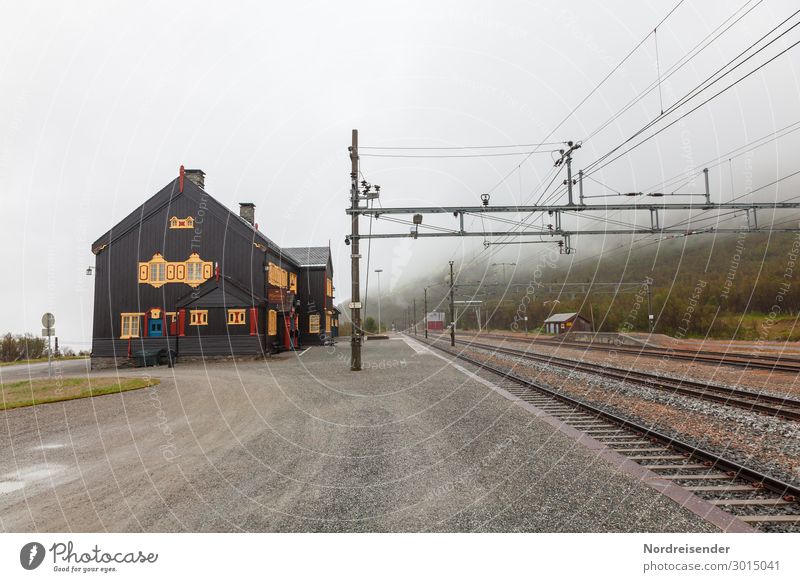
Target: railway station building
[184,273]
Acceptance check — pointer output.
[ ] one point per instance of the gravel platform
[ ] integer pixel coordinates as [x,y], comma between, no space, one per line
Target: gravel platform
[302,444]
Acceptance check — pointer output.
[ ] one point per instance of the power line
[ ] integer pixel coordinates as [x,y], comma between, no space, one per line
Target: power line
[594,90]
[705,84]
[591,167]
[481,147]
[489,155]
[678,65]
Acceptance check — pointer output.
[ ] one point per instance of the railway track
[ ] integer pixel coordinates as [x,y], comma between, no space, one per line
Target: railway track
[760,361]
[762,501]
[765,403]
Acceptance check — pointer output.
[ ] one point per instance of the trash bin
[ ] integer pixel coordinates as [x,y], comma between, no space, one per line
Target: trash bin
[145,358]
[167,357]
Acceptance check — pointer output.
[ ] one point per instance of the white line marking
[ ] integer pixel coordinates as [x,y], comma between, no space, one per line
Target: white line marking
[303,352]
[415,345]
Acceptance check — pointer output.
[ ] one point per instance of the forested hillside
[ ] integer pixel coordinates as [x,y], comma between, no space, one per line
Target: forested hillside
[745,286]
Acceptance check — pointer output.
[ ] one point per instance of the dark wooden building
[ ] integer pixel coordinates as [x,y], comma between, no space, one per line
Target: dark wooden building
[564,322]
[318,315]
[185,273]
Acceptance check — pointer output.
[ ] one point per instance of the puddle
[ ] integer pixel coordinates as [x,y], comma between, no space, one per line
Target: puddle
[9,486]
[33,473]
[49,447]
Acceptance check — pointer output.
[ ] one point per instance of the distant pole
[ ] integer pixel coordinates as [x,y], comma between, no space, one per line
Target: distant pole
[569,179]
[379,271]
[452,309]
[415,316]
[426,312]
[649,306]
[355,337]
[49,357]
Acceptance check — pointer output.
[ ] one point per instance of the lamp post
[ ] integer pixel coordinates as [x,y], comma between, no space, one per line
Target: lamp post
[379,271]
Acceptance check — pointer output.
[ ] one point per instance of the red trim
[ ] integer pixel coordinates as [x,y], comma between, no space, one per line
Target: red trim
[181,322]
[287,338]
[129,348]
[180,179]
[253,321]
[146,319]
[164,325]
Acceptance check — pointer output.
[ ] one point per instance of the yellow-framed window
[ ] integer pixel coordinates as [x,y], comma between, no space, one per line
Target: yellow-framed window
[129,325]
[313,323]
[293,282]
[198,317]
[327,323]
[236,316]
[276,276]
[272,322]
[329,287]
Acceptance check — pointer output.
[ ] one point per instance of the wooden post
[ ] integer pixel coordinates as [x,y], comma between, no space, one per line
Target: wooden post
[355,336]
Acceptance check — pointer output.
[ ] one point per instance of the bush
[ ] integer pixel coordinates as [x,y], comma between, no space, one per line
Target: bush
[22,347]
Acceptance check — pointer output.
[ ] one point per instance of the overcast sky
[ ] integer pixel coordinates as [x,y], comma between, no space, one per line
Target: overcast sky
[101,102]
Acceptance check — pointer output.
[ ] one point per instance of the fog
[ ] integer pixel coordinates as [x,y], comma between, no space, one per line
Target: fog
[101,103]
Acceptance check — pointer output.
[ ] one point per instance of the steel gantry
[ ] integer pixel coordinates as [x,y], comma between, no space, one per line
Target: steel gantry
[361,198]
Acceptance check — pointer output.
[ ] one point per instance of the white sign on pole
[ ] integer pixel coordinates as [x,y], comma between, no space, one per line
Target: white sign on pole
[48,331]
[48,320]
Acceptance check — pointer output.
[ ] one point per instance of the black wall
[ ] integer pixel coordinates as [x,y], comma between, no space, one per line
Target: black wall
[219,236]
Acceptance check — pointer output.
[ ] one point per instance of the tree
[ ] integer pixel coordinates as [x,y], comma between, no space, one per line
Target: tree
[370,326]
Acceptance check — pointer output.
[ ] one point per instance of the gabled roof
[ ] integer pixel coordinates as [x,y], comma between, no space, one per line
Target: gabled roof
[561,317]
[223,293]
[309,256]
[166,196]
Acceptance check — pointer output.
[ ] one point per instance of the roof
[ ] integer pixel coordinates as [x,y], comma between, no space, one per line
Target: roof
[309,256]
[165,197]
[224,292]
[561,317]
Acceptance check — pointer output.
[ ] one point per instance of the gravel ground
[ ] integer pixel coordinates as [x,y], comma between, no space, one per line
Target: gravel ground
[409,444]
[756,440]
[777,383]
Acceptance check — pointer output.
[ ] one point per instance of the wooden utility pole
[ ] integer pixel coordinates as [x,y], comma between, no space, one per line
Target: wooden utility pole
[415,316]
[452,309]
[426,313]
[355,301]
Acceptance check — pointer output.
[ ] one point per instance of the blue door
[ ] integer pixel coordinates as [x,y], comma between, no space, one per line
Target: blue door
[156,328]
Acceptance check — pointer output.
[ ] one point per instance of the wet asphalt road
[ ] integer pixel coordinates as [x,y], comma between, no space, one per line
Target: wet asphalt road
[303,444]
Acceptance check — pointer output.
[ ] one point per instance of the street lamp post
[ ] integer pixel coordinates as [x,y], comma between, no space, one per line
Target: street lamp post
[379,271]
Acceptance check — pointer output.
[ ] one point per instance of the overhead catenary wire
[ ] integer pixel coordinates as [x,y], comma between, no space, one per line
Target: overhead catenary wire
[592,91]
[594,167]
[704,85]
[678,65]
[478,147]
[488,155]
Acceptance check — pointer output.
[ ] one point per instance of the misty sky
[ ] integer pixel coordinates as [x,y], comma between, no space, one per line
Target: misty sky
[101,102]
